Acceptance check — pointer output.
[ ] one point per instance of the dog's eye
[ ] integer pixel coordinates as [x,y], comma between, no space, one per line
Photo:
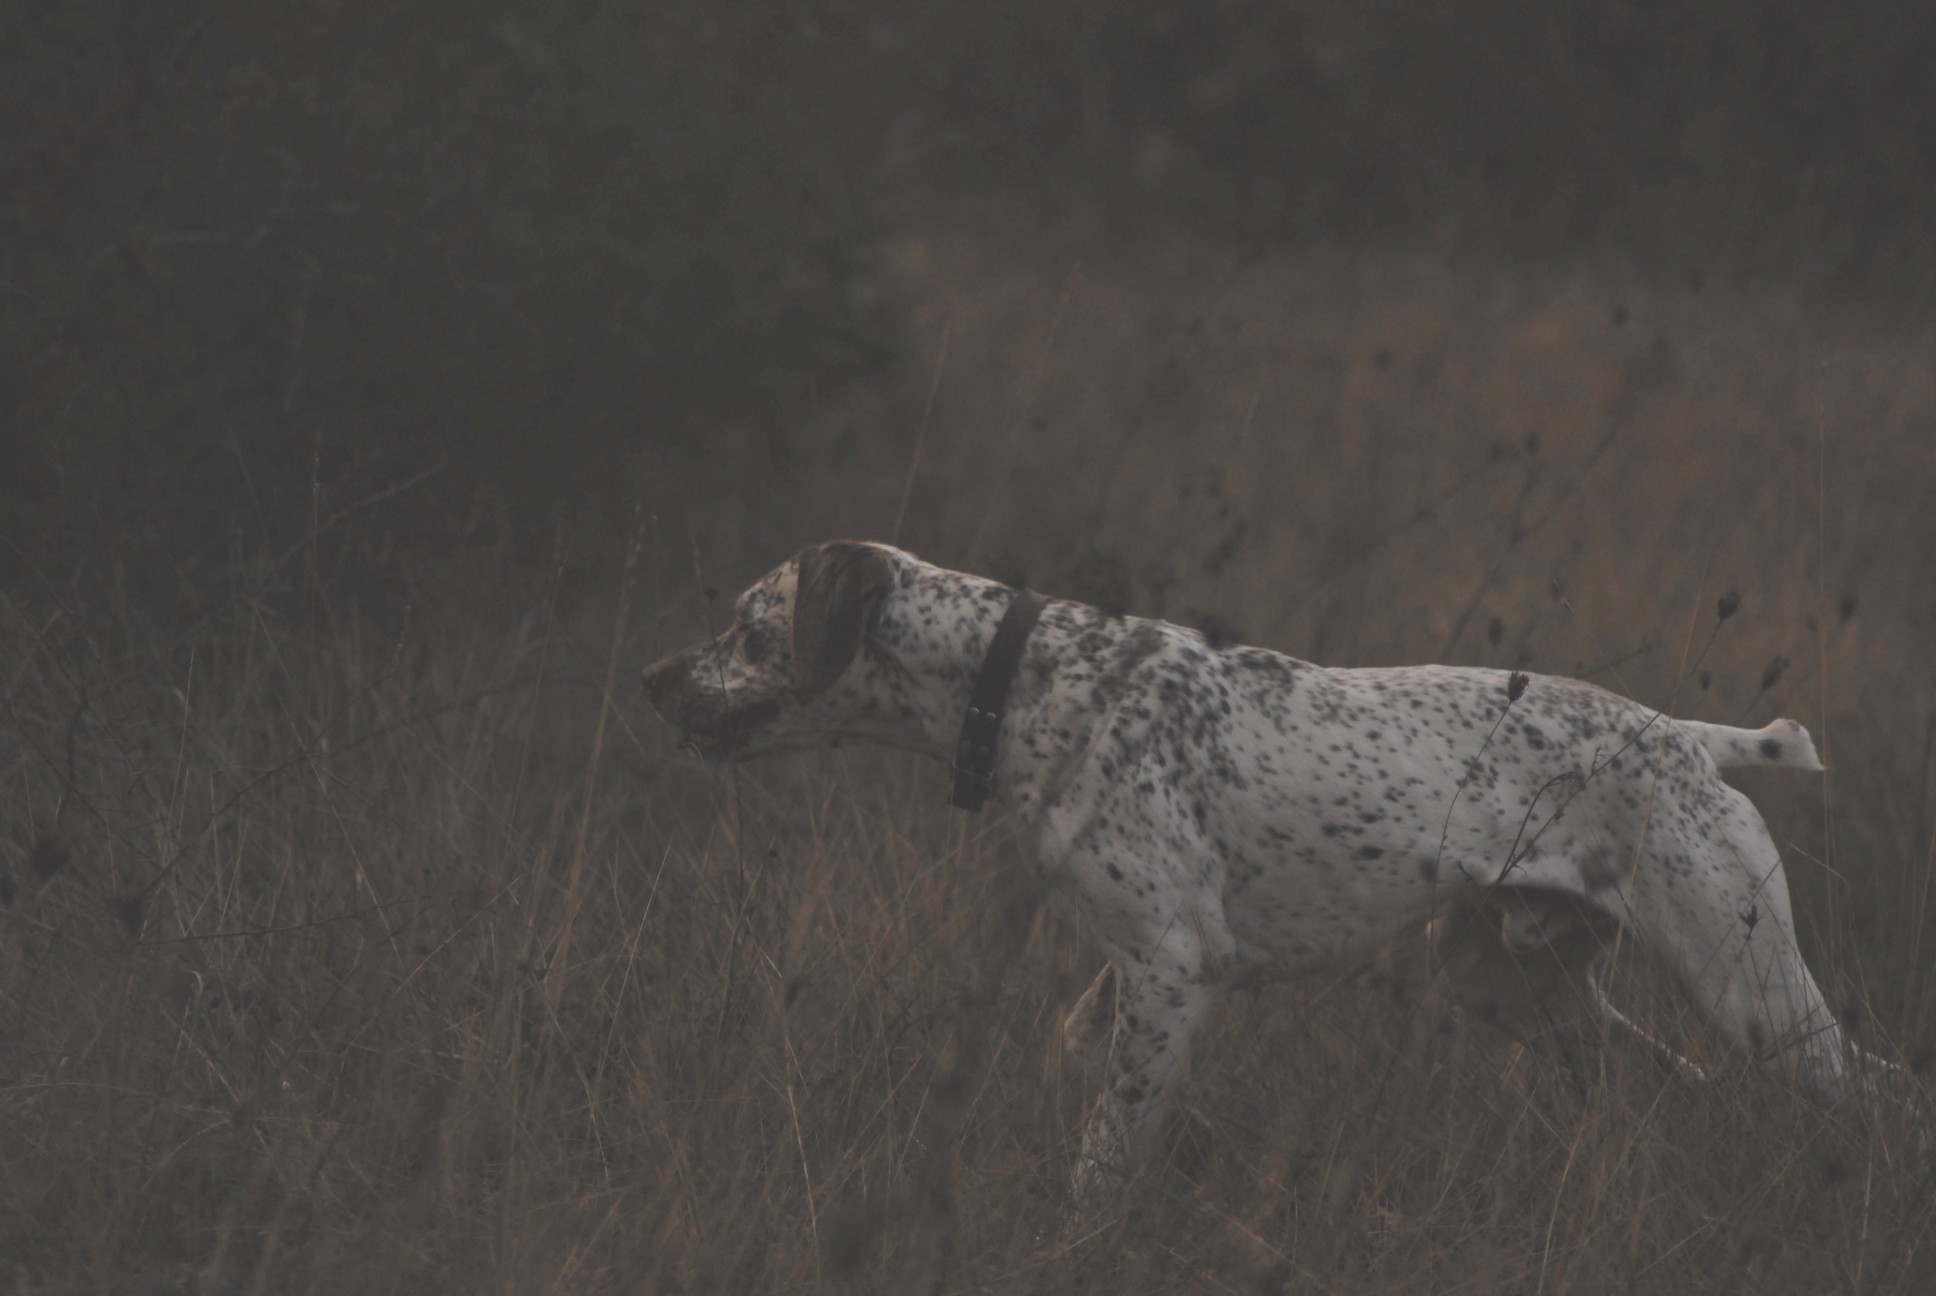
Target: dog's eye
[755,644]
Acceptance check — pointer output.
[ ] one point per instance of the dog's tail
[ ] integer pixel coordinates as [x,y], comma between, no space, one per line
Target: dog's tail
[1780,742]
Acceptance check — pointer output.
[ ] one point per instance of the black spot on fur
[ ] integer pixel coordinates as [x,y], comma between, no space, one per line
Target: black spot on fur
[1770,749]
[1598,872]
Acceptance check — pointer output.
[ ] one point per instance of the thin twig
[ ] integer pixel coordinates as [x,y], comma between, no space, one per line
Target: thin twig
[921,434]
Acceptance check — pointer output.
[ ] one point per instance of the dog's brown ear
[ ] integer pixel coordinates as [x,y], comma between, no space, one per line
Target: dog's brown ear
[838,602]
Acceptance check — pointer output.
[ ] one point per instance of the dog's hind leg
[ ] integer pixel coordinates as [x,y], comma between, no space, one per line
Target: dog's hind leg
[1717,910]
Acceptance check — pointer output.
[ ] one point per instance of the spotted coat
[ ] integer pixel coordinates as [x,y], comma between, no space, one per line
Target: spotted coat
[1225,814]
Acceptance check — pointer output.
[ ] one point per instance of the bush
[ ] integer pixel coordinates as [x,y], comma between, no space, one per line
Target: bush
[273,263]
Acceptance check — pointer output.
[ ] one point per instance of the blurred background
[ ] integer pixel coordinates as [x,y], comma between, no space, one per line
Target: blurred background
[376,370]
[392,277]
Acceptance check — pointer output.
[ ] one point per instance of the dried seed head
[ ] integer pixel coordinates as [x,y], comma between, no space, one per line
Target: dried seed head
[1515,685]
[1009,570]
[851,1234]
[1218,631]
[1772,675]
[48,857]
[1706,679]
[130,910]
[1102,579]
[1729,604]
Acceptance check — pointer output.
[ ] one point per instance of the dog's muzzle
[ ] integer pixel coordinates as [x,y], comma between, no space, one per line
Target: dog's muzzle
[709,725]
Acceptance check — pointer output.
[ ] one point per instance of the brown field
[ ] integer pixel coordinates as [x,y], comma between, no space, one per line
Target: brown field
[358,953]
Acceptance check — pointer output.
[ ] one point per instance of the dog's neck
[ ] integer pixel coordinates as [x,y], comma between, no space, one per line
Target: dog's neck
[931,642]
[933,634]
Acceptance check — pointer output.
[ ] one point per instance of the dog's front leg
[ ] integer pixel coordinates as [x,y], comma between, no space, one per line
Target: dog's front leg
[1161,998]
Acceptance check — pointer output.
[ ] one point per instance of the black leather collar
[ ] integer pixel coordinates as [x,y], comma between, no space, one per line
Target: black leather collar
[975,755]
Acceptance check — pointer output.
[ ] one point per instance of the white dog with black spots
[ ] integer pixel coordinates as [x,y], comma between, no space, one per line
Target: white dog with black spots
[1224,814]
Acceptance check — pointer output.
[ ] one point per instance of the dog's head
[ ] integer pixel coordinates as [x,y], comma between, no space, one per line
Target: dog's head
[785,676]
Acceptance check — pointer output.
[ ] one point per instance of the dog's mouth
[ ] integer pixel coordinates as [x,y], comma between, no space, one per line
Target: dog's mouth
[725,737]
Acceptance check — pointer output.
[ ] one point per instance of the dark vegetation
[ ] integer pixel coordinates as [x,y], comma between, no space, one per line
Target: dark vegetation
[382,385]
[265,265]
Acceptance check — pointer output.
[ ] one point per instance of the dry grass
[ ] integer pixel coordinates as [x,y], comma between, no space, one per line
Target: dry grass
[368,961]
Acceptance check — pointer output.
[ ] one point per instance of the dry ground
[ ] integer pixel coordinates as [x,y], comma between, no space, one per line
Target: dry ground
[346,955]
